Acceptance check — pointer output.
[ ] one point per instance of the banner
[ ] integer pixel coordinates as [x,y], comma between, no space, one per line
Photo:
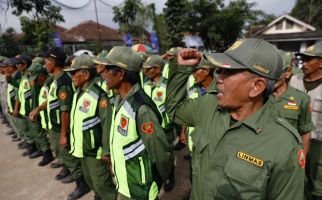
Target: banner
[57,40]
[154,42]
[128,39]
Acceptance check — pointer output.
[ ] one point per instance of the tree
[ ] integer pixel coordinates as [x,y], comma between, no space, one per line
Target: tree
[37,29]
[175,14]
[134,18]
[308,11]
[9,43]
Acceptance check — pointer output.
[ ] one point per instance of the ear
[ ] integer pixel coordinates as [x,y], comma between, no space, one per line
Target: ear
[257,87]
[87,75]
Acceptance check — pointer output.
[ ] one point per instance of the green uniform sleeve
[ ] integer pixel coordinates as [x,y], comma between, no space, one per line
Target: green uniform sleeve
[287,179]
[105,113]
[305,123]
[65,96]
[155,141]
[179,109]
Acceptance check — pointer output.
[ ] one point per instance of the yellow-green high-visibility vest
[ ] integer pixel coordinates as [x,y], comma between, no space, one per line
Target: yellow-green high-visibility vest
[43,94]
[130,162]
[84,125]
[24,94]
[11,93]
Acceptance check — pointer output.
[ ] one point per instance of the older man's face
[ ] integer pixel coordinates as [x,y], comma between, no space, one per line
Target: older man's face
[311,64]
[234,87]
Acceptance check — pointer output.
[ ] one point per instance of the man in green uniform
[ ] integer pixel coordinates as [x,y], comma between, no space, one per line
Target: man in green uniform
[13,77]
[310,81]
[155,87]
[38,76]
[292,104]
[139,151]
[22,106]
[241,150]
[58,105]
[91,117]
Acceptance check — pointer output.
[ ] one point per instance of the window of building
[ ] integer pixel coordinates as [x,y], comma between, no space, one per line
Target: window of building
[289,24]
[279,25]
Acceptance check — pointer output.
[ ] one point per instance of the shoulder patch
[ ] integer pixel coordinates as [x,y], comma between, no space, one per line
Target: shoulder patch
[148,128]
[103,103]
[301,158]
[63,95]
[283,122]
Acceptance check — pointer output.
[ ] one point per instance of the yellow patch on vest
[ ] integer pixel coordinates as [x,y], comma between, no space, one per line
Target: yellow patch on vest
[291,107]
[261,69]
[250,159]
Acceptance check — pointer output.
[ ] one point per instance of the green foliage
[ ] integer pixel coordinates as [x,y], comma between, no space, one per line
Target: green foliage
[175,14]
[38,28]
[308,11]
[161,30]
[9,43]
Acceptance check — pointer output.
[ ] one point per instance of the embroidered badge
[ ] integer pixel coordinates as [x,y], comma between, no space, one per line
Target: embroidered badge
[103,103]
[85,106]
[159,96]
[301,157]
[148,128]
[291,105]
[250,159]
[63,95]
[123,126]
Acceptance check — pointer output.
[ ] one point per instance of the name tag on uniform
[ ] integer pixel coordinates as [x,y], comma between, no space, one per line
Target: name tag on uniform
[291,105]
[250,159]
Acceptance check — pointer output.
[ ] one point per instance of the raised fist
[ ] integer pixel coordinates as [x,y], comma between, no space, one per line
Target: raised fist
[189,57]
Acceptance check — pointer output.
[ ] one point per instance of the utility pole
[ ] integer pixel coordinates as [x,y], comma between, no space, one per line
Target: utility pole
[98,25]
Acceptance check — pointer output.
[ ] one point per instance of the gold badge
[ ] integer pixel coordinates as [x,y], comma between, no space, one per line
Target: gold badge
[291,105]
[250,159]
[235,45]
[261,69]
[310,48]
[214,62]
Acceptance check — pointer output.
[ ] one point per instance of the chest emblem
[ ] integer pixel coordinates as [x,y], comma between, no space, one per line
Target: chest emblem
[148,128]
[44,94]
[123,126]
[301,158]
[103,103]
[291,105]
[250,159]
[63,95]
[85,106]
[159,96]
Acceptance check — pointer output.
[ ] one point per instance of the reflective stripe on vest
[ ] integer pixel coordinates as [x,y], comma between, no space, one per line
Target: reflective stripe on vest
[52,103]
[158,95]
[24,93]
[83,118]
[125,144]
[41,99]
[11,93]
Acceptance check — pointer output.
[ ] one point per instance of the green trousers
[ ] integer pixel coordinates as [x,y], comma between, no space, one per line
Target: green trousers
[72,163]
[315,168]
[23,129]
[98,178]
[14,124]
[39,135]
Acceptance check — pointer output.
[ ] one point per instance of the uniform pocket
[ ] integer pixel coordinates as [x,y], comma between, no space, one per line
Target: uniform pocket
[243,180]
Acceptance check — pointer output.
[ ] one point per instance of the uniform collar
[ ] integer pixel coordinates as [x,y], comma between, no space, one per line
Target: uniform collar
[118,102]
[256,121]
[89,85]
[58,75]
[149,82]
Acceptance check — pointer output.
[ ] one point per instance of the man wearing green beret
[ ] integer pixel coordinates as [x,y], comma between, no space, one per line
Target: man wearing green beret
[37,77]
[90,122]
[241,150]
[310,81]
[139,151]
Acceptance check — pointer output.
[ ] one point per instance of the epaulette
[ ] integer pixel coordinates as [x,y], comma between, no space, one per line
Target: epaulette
[288,126]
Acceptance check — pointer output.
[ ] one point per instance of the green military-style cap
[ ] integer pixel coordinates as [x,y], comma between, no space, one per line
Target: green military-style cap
[143,56]
[204,63]
[173,51]
[83,61]
[123,57]
[39,60]
[2,59]
[287,59]
[35,69]
[100,58]
[254,54]
[153,61]
[313,51]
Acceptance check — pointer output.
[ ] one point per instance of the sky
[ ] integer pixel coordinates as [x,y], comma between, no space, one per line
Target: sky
[76,11]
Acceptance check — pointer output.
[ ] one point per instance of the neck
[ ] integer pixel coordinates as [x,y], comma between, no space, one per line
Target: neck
[247,109]
[57,70]
[205,84]
[124,89]
[279,90]
[156,79]
[313,76]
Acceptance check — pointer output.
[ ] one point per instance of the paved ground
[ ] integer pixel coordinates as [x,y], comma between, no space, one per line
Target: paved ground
[22,179]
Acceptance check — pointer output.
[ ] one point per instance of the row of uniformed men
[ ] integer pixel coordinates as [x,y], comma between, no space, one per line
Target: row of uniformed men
[137,140]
